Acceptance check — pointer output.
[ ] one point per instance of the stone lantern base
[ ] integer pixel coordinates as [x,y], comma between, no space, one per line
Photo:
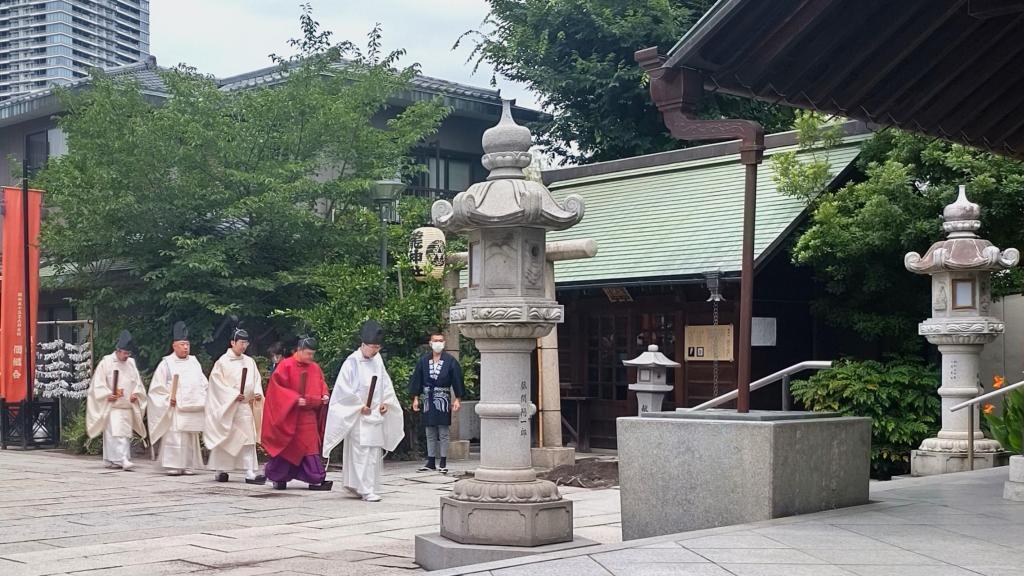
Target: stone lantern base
[930,463]
[506,524]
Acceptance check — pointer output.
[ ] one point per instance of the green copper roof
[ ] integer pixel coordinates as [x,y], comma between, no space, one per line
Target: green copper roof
[680,219]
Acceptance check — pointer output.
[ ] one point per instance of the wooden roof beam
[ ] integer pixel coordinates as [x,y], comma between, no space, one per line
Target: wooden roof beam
[946,65]
[908,40]
[992,8]
[782,39]
[959,89]
[820,48]
[894,19]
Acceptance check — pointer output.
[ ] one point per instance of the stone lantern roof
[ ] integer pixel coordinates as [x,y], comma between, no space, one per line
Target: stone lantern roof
[507,198]
[652,358]
[962,249]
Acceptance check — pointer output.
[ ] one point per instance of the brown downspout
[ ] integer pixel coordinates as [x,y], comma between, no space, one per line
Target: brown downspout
[677,92]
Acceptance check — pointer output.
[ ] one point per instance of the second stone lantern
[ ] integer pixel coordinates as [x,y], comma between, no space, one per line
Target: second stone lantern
[506,220]
[961,268]
[651,379]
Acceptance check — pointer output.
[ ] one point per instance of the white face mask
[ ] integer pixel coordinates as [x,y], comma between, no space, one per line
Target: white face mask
[437,347]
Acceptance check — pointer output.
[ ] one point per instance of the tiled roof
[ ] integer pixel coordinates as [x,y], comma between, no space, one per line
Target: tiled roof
[676,220]
[147,74]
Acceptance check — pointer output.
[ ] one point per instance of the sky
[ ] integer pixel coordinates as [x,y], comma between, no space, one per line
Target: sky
[228,37]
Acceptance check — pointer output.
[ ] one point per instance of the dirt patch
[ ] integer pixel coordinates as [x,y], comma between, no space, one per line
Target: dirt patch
[589,473]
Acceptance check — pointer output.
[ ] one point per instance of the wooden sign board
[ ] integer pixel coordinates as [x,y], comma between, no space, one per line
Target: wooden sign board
[708,343]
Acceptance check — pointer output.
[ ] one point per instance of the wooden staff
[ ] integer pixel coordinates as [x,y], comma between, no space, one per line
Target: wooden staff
[241,387]
[174,388]
[116,374]
[302,385]
[373,387]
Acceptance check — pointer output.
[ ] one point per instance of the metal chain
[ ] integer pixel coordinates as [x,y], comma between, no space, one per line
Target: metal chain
[714,363]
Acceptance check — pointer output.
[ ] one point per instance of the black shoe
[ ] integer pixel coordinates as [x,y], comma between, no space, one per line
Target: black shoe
[426,469]
[222,477]
[324,486]
[261,479]
[280,485]
[442,470]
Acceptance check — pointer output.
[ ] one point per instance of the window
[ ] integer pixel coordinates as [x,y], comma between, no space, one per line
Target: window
[36,151]
[607,347]
[963,293]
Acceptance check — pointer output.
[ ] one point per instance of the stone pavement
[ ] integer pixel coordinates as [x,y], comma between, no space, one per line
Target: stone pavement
[63,514]
[951,525]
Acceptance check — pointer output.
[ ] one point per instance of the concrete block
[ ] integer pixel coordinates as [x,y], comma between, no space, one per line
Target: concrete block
[550,458]
[679,473]
[1017,468]
[458,449]
[929,463]
[435,552]
[1013,491]
[519,524]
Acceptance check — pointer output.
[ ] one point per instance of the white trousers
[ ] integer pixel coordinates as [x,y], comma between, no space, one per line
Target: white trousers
[361,466]
[116,449]
[180,451]
[221,461]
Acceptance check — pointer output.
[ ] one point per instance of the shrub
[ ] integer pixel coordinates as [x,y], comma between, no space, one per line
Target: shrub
[898,395]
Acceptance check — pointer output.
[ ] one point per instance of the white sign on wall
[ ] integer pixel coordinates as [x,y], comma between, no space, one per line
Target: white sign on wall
[763,332]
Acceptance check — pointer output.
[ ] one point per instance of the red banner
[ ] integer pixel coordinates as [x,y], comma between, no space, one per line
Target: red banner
[14,321]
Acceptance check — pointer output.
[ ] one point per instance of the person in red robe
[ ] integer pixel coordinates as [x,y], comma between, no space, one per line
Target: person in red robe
[293,420]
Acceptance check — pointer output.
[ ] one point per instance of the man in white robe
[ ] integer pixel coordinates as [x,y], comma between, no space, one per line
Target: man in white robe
[177,407]
[234,412]
[116,414]
[367,424]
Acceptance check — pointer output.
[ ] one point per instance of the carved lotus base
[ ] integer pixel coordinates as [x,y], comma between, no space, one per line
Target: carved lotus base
[929,463]
[504,524]
[948,445]
[473,490]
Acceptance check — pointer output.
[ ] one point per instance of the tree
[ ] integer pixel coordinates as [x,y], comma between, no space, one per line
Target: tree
[578,56]
[856,236]
[211,202]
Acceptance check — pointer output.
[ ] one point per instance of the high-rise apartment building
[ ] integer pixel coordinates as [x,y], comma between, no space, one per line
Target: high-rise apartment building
[43,43]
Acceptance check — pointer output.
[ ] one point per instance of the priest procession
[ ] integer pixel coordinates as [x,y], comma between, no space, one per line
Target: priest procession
[296,419]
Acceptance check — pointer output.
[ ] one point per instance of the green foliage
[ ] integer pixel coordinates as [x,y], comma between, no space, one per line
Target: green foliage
[1008,427]
[857,235]
[898,395]
[807,178]
[73,436]
[578,56]
[213,202]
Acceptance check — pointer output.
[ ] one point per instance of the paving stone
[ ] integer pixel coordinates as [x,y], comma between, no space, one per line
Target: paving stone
[582,566]
[733,540]
[873,557]
[785,570]
[756,556]
[631,556]
[944,570]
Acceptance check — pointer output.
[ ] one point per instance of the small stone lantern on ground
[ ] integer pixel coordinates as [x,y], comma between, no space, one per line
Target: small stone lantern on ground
[650,386]
[961,324]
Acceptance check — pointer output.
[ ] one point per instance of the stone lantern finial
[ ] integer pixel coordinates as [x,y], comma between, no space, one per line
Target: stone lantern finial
[507,147]
[962,217]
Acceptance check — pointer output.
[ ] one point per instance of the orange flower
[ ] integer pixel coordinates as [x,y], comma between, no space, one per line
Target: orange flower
[998,381]
[988,408]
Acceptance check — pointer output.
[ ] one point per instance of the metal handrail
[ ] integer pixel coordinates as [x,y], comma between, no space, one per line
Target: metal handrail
[970,416]
[983,397]
[783,374]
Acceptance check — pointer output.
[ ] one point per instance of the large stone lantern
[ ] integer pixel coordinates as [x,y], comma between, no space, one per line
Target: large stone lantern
[506,219]
[961,268]
[651,379]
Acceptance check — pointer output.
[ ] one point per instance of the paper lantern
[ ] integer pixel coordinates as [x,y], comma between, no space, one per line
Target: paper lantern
[427,252]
